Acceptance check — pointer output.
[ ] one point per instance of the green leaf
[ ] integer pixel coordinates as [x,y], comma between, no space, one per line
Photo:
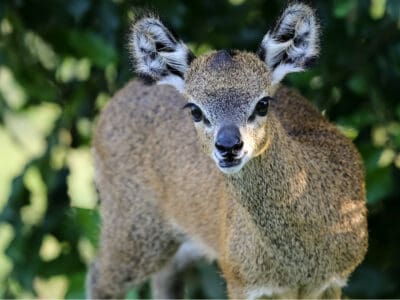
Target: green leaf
[88,220]
[132,294]
[92,46]
[358,84]
[75,287]
[379,184]
[343,8]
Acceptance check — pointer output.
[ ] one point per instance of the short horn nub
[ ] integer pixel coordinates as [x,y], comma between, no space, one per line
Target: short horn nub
[221,58]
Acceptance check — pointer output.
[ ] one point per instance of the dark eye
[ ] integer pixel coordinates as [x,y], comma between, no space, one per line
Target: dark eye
[196,112]
[261,108]
[197,115]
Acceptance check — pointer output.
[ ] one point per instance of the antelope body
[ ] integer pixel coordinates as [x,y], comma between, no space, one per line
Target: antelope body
[273,191]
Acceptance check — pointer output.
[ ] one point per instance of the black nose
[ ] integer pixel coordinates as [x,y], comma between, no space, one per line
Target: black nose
[228,142]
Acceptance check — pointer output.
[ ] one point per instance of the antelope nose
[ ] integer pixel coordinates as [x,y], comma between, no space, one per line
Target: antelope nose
[228,141]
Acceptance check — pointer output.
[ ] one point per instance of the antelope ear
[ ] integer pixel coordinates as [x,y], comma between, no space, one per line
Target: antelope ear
[157,54]
[293,45]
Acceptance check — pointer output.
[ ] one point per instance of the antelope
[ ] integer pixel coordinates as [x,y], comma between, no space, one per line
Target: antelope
[262,183]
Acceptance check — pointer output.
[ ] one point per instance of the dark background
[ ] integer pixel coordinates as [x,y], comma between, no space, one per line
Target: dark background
[60,61]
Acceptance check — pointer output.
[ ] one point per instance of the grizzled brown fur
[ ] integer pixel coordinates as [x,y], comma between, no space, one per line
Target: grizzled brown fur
[307,224]
[290,224]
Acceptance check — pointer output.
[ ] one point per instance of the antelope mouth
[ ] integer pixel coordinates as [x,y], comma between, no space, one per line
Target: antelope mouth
[229,163]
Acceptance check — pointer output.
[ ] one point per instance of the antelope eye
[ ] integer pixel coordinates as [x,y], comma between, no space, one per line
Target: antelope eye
[262,107]
[195,111]
[197,115]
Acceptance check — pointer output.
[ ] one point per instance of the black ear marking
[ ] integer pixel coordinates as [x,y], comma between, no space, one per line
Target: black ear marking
[174,71]
[146,79]
[190,58]
[286,35]
[310,62]
[232,52]
[162,47]
[261,53]
[301,40]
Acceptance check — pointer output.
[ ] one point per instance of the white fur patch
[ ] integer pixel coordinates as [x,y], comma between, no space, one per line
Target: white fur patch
[173,80]
[258,292]
[281,71]
[199,248]
[334,281]
[270,291]
[188,253]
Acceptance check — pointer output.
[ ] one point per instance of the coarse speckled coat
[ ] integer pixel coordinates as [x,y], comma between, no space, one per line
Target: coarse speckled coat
[290,224]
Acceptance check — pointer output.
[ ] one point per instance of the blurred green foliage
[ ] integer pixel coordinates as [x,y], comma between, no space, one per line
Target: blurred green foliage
[60,61]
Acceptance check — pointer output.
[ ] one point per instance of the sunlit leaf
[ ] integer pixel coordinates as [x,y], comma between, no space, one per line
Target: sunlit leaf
[6,233]
[50,248]
[55,287]
[33,213]
[349,132]
[377,9]
[41,50]
[80,182]
[236,2]
[387,157]
[10,89]
[73,69]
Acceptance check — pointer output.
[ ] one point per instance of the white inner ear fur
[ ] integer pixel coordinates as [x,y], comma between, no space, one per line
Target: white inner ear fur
[292,55]
[281,70]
